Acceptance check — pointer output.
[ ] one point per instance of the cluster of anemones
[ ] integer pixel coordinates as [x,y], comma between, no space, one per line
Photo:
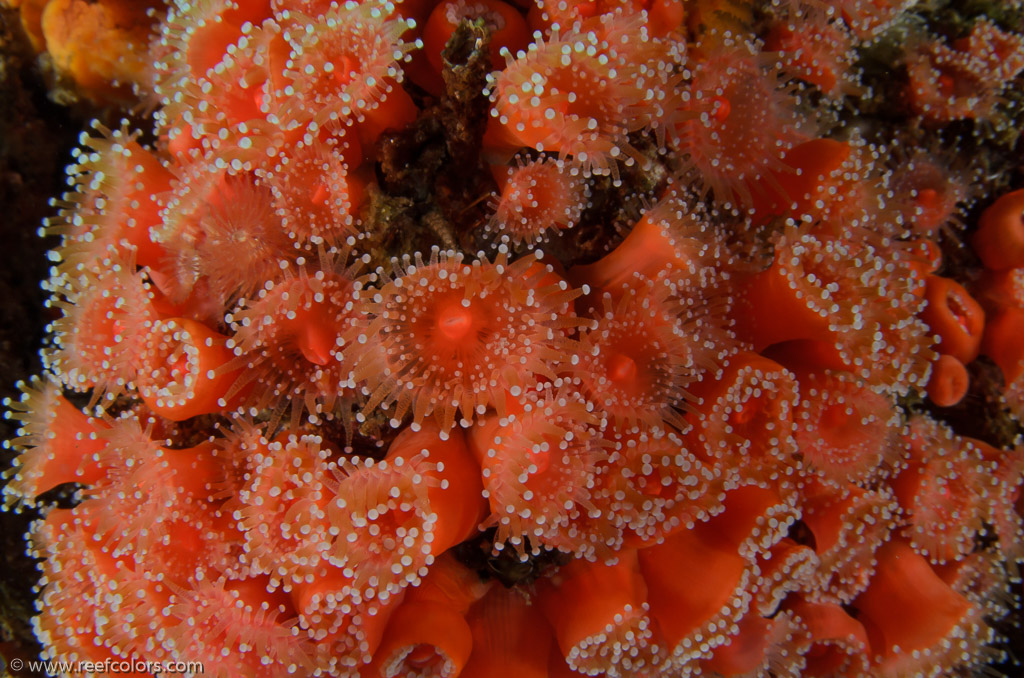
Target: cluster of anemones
[302,450]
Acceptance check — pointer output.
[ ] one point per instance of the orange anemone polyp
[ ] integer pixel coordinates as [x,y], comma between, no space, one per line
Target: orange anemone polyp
[600,616]
[954,315]
[538,198]
[58,442]
[949,381]
[747,410]
[915,622]
[179,377]
[999,240]
[845,430]
[697,584]
[538,471]
[838,641]
[449,339]
[1001,342]
[670,235]
[639,358]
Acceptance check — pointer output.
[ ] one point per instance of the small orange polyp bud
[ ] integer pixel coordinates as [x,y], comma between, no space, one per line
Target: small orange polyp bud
[955,316]
[179,376]
[999,240]
[949,381]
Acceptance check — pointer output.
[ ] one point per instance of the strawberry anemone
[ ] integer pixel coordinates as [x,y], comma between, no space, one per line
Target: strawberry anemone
[315,192]
[838,642]
[451,337]
[538,466]
[601,617]
[538,198]
[697,585]
[999,240]
[651,484]
[101,336]
[582,92]
[344,64]
[849,524]
[845,431]
[427,635]
[180,372]
[292,343]
[113,204]
[192,42]
[238,627]
[392,517]
[815,49]
[671,235]
[916,624]
[841,303]
[223,235]
[642,353]
[943,490]
[77,623]
[58,443]
[761,646]
[238,112]
[745,425]
[744,121]
[128,505]
[281,506]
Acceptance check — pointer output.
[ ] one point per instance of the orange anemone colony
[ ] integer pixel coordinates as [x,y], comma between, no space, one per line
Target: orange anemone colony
[493,338]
